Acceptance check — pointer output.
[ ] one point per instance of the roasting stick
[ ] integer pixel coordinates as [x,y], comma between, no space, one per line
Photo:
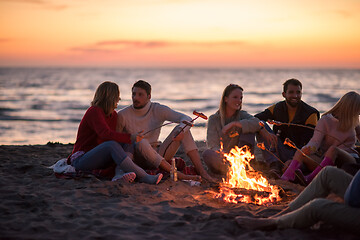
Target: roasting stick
[158,127]
[277,123]
[187,123]
[262,147]
[291,144]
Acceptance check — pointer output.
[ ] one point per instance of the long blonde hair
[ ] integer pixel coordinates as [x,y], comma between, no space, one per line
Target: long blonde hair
[347,110]
[106,96]
[222,108]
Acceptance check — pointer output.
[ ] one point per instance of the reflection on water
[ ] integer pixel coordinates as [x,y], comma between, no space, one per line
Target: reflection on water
[38,105]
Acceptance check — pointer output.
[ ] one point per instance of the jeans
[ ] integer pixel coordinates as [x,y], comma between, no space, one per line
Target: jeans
[101,156]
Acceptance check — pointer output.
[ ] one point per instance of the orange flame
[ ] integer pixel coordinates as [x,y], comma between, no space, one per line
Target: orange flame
[242,175]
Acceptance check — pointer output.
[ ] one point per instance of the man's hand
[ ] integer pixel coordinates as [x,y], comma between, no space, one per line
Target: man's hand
[271,138]
[139,136]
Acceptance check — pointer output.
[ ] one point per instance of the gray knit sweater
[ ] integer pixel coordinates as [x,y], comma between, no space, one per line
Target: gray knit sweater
[250,124]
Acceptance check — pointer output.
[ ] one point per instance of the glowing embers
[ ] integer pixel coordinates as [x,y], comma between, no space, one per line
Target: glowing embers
[243,183]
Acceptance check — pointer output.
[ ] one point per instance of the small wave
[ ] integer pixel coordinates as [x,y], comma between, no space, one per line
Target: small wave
[326,98]
[7,110]
[183,100]
[200,125]
[261,93]
[11,118]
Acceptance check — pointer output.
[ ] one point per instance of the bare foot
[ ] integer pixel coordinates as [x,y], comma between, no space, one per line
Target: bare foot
[251,223]
[284,211]
[126,177]
[208,178]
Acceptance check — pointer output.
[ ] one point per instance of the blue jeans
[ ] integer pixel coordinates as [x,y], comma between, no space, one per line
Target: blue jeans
[100,157]
[283,152]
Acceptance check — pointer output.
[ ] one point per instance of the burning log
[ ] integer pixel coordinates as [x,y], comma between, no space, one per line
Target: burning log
[250,192]
[243,184]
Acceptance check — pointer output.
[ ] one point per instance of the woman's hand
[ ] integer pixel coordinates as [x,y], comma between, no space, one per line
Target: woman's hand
[226,129]
[308,150]
[137,137]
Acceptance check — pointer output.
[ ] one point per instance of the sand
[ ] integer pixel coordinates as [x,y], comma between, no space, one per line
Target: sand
[34,204]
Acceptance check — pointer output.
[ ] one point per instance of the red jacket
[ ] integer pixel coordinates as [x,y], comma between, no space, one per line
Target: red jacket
[96,128]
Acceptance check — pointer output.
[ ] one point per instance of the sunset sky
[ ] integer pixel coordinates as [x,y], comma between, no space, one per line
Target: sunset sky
[180,33]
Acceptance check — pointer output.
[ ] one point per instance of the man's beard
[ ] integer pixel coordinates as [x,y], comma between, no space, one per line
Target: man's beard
[138,107]
[292,104]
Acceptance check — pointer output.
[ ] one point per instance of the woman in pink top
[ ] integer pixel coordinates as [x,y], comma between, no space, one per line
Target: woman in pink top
[335,135]
[99,146]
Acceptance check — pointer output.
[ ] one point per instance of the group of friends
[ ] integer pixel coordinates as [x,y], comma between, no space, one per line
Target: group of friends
[129,141]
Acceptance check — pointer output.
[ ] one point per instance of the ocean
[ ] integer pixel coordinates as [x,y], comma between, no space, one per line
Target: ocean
[40,105]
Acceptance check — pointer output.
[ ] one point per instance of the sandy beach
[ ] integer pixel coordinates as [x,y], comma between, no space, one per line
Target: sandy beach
[35,204]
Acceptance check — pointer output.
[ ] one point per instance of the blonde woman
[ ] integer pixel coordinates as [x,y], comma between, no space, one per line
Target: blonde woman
[230,126]
[335,135]
[99,146]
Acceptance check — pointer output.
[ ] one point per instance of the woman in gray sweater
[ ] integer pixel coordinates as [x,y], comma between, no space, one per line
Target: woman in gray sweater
[231,126]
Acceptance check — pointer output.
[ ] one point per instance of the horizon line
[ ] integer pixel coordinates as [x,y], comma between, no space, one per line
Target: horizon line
[187,67]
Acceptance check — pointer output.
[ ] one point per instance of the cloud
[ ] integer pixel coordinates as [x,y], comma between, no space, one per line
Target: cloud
[90,50]
[344,13]
[42,3]
[5,40]
[127,45]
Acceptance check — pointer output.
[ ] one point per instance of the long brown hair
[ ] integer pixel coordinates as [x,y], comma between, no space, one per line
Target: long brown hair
[347,110]
[106,96]
[229,88]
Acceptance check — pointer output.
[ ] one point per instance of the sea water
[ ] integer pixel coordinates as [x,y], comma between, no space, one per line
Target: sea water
[38,105]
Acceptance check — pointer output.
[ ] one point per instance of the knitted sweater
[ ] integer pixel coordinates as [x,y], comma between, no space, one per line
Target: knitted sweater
[151,116]
[249,124]
[326,134]
[96,128]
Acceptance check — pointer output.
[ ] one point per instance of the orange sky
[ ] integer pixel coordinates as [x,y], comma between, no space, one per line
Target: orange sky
[180,33]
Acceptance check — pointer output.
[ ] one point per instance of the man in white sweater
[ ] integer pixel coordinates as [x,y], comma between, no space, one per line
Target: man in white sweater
[144,115]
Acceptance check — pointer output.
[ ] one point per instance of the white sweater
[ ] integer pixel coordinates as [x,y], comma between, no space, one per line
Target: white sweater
[153,115]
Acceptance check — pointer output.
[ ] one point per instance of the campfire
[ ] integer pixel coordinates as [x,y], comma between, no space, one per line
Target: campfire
[243,183]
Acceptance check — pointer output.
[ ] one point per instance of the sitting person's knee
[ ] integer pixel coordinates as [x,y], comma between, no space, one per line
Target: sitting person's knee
[332,152]
[328,172]
[206,155]
[112,144]
[142,143]
[318,203]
